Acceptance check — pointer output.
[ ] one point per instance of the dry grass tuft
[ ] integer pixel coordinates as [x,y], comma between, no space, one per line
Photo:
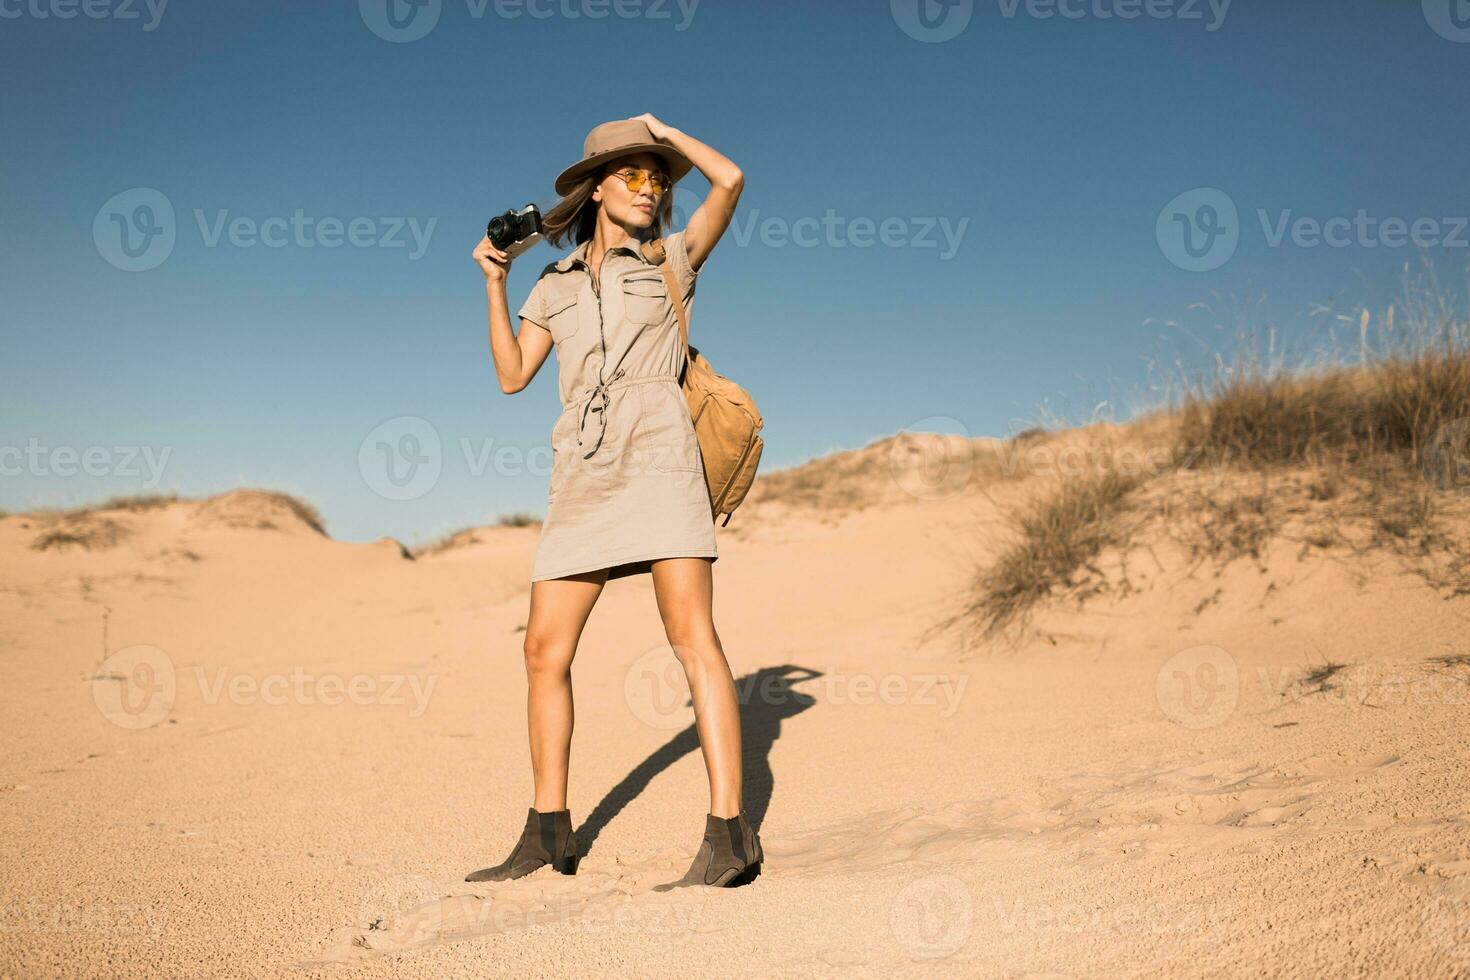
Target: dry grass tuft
[1055,538]
[251,509]
[1389,430]
[86,531]
[1402,395]
[308,513]
[137,502]
[1385,435]
[1320,677]
[900,467]
[1032,434]
[446,542]
[1224,522]
[837,482]
[239,505]
[1416,409]
[133,503]
[466,536]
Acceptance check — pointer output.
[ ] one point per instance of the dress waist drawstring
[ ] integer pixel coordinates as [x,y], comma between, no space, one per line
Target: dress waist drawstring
[601,391]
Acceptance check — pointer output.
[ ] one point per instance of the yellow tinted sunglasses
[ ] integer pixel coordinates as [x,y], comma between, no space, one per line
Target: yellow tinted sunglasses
[658,181]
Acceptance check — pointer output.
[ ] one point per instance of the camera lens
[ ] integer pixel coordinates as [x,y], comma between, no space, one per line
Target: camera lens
[500,231]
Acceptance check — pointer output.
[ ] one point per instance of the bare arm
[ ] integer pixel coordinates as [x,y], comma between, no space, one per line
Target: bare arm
[710,219]
[517,356]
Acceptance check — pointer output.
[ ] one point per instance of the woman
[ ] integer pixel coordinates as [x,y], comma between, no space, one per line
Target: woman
[627,493]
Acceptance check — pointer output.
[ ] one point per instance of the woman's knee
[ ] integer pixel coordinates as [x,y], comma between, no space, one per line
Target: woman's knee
[547,656]
[696,647]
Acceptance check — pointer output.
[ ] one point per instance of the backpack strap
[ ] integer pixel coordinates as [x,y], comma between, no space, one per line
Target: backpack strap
[655,252]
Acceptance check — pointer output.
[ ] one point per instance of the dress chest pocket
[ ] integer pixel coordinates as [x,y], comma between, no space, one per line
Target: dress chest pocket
[562,318]
[645,298]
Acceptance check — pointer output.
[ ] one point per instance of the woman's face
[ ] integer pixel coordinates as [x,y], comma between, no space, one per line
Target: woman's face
[631,209]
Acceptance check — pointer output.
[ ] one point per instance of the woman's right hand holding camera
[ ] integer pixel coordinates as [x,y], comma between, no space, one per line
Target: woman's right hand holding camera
[492,261]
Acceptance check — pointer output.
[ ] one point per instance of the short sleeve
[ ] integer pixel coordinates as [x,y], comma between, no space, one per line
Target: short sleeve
[534,308]
[678,254]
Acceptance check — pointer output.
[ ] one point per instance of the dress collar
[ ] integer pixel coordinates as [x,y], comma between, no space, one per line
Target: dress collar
[633,247]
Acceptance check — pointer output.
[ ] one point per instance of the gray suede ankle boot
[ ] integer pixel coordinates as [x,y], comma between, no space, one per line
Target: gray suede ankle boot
[729,855]
[547,839]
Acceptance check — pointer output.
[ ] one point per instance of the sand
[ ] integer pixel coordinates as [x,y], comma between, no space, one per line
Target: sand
[237,747]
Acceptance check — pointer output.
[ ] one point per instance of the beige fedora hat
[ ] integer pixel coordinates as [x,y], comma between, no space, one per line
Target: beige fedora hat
[619,138]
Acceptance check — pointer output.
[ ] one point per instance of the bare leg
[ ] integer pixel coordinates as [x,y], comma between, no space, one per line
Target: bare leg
[559,611]
[684,588]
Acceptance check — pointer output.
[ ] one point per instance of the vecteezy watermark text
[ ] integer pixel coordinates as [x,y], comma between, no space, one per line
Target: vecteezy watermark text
[940,20]
[832,230]
[300,687]
[1111,919]
[36,459]
[1363,230]
[1200,230]
[138,686]
[404,21]
[136,230]
[305,231]
[148,12]
[1211,13]
[657,690]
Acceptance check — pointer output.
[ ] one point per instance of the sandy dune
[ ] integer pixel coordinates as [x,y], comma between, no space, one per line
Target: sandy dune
[237,747]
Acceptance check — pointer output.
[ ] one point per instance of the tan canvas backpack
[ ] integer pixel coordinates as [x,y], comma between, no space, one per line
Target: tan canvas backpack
[726,420]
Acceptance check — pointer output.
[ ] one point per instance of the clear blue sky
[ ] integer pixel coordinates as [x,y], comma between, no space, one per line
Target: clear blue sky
[1050,145]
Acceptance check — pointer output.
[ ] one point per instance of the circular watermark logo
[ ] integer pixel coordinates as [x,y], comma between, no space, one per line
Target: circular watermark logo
[1199,230]
[135,230]
[656,690]
[135,687]
[1450,19]
[402,458]
[400,21]
[932,917]
[1198,687]
[932,458]
[1446,460]
[932,21]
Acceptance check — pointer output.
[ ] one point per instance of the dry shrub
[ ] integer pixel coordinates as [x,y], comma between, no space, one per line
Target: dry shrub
[466,536]
[446,542]
[1389,428]
[837,482]
[137,502]
[86,531]
[1056,537]
[1403,395]
[133,503]
[308,514]
[250,508]
[1414,408]
[895,468]
[1385,433]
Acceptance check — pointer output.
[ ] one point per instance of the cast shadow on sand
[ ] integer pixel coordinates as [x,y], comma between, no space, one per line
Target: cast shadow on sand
[767,698]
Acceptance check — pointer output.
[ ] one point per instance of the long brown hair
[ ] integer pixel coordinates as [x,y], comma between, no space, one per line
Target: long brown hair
[574,217]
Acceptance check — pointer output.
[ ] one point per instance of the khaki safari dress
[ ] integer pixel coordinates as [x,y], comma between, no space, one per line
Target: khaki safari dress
[627,478]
